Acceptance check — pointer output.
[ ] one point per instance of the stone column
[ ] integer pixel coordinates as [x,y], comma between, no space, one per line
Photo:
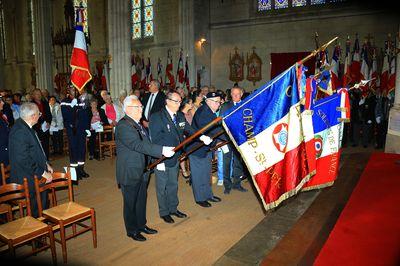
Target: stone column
[44,64]
[119,44]
[186,36]
[393,134]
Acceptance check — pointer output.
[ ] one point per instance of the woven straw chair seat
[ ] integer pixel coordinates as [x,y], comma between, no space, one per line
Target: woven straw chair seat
[20,227]
[66,211]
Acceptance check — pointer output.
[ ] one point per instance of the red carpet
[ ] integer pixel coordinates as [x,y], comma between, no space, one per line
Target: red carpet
[368,229]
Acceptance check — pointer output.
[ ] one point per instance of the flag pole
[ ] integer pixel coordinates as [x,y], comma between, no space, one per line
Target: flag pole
[183,156]
[187,140]
[315,52]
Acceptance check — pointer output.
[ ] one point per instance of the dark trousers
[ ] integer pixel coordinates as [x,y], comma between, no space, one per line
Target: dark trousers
[92,142]
[76,145]
[135,197]
[380,134]
[44,138]
[201,173]
[366,133]
[57,140]
[232,160]
[167,189]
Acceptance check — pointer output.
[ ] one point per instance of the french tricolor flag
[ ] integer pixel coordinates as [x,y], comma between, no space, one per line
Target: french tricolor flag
[268,130]
[80,75]
[328,116]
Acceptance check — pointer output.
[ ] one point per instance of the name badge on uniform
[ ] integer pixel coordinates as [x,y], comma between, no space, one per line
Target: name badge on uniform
[169,130]
[182,124]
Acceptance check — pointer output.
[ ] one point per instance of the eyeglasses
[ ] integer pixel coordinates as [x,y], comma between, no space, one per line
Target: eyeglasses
[135,106]
[175,101]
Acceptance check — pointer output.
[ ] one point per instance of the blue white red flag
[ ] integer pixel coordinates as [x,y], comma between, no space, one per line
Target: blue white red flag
[328,116]
[80,74]
[159,72]
[267,130]
[335,64]
[180,72]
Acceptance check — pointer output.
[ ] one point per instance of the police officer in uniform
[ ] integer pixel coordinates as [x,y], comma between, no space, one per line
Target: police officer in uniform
[75,112]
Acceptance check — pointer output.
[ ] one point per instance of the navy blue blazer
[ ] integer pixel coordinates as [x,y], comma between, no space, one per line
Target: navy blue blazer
[26,155]
[158,104]
[164,132]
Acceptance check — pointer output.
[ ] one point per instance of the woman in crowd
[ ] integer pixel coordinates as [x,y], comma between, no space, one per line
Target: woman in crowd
[56,126]
[197,99]
[97,117]
[16,104]
[113,112]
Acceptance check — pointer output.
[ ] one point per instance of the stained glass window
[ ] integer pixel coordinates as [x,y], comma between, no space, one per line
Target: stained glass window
[81,9]
[317,2]
[299,3]
[264,5]
[2,31]
[281,4]
[142,18]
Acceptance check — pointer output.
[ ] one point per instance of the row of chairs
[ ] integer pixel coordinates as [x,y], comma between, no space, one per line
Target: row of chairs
[57,218]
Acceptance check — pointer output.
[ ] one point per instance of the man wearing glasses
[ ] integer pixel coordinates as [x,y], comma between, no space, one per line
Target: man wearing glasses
[201,159]
[134,149]
[168,127]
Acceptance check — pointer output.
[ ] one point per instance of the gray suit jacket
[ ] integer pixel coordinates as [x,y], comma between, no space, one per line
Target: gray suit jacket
[132,148]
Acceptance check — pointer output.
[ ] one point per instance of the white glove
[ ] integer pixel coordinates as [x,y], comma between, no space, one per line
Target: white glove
[168,151]
[88,133]
[369,122]
[378,120]
[205,139]
[161,167]
[361,101]
[225,149]
[74,102]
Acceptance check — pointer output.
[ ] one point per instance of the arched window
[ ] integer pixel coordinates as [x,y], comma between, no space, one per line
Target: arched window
[265,5]
[2,31]
[81,5]
[142,19]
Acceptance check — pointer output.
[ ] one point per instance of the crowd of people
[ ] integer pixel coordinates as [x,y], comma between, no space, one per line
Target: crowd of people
[148,125]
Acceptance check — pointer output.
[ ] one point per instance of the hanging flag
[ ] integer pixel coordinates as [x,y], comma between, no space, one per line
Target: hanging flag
[159,72]
[105,78]
[375,84]
[80,74]
[187,82]
[149,74]
[168,71]
[385,70]
[143,75]
[364,71]
[335,64]
[355,66]
[392,75]
[180,73]
[134,74]
[267,130]
[346,71]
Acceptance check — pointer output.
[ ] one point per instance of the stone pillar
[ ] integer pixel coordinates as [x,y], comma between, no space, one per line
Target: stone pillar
[186,36]
[393,134]
[43,58]
[119,43]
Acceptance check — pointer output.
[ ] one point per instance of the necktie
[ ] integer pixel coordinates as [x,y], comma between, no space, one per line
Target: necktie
[174,119]
[148,106]
[142,130]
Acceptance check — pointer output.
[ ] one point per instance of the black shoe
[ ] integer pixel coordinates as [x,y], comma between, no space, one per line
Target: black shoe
[137,236]
[215,199]
[227,191]
[83,173]
[204,204]
[168,219]
[178,214]
[148,230]
[240,188]
[90,157]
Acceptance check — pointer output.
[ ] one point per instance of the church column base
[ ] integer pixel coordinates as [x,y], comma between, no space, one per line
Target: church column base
[393,134]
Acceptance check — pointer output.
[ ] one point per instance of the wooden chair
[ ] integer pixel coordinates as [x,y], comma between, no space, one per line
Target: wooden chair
[107,145]
[5,172]
[66,214]
[5,209]
[27,228]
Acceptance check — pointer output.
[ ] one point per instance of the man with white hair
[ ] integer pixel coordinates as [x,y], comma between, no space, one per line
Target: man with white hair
[134,149]
[27,157]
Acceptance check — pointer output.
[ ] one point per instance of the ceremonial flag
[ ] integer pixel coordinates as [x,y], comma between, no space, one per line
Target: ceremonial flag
[143,75]
[134,74]
[168,71]
[335,63]
[149,74]
[346,72]
[80,74]
[355,66]
[267,130]
[159,72]
[374,74]
[364,71]
[328,131]
[180,73]
[187,74]
[385,71]
[392,75]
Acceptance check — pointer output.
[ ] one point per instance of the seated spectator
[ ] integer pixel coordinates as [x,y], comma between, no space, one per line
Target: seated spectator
[16,105]
[97,116]
[56,126]
[113,112]
[4,131]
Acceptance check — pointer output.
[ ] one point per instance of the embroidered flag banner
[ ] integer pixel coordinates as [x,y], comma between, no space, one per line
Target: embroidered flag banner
[267,130]
[328,116]
[80,74]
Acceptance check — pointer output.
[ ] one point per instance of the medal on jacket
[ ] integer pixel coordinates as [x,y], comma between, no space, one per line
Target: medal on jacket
[169,130]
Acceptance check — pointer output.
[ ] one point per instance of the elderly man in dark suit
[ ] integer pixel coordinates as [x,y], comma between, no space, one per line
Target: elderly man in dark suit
[27,157]
[134,149]
[168,127]
[153,101]
[232,161]
[201,159]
